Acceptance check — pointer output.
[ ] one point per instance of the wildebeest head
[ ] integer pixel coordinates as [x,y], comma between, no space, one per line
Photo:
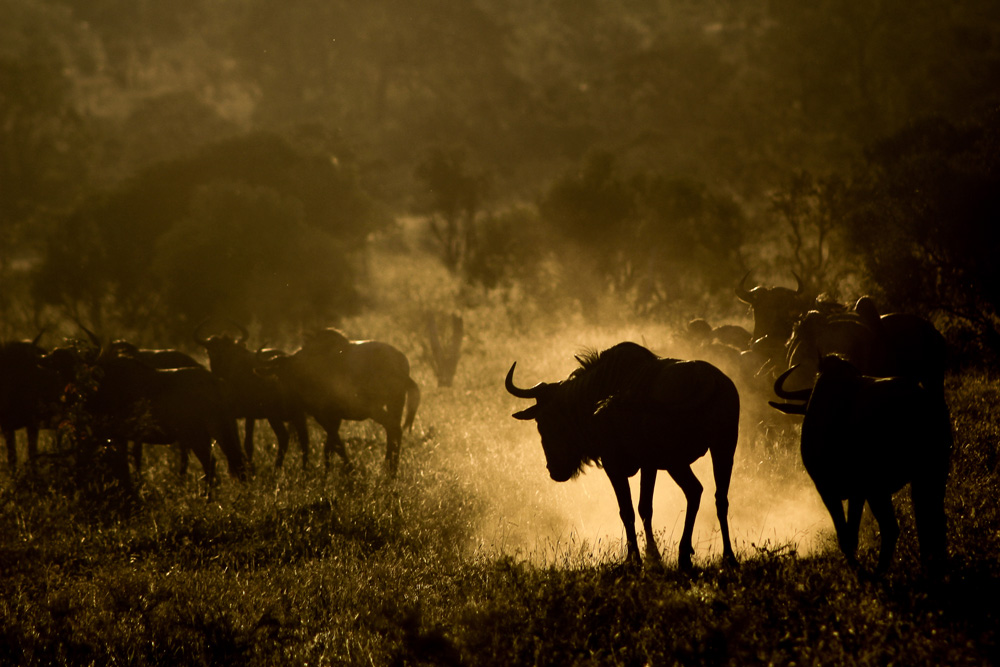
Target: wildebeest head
[563,440]
[775,309]
[225,353]
[832,367]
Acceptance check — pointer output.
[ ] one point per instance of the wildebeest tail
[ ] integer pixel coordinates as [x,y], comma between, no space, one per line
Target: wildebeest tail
[412,403]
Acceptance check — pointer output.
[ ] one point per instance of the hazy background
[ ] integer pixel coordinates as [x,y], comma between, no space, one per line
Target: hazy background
[561,174]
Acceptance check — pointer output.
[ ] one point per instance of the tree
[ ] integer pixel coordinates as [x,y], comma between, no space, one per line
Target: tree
[649,238]
[97,263]
[166,127]
[812,210]
[452,200]
[687,241]
[592,212]
[245,253]
[924,218]
[43,132]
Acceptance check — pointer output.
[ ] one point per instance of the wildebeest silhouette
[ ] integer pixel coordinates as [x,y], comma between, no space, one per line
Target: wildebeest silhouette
[155,358]
[627,410]
[820,334]
[26,392]
[863,439]
[775,311]
[131,401]
[254,396]
[892,345]
[163,359]
[336,379]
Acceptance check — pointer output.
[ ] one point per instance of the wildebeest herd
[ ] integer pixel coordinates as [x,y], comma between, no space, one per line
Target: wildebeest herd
[869,387]
[116,394]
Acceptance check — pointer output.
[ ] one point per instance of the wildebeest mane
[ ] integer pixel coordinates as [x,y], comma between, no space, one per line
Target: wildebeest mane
[617,372]
[606,380]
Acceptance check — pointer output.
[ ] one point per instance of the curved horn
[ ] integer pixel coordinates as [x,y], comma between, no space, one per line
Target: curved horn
[799,287]
[244,334]
[742,293]
[788,408]
[264,355]
[198,336]
[92,336]
[797,395]
[98,351]
[518,391]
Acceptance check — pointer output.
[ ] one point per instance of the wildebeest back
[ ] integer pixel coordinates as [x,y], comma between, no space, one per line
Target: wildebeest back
[691,402]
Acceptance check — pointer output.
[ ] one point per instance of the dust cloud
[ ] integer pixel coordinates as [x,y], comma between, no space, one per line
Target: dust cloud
[770,508]
[773,504]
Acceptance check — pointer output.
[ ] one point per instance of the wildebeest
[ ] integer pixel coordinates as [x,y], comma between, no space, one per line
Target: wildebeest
[163,359]
[817,335]
[907,345]
[730,335]
[255,396]
[719,346]
[863,439]
[26,390]
[131,401]
[775,311]
[896,344]
[156,358]
[627,410]
[335,379]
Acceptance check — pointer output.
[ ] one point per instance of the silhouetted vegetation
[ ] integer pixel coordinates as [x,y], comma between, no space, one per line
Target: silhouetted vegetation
[924,222]
[208,235]
[651,140]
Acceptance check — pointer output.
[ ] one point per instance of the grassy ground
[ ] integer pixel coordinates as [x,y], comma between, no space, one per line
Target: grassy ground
[474,557]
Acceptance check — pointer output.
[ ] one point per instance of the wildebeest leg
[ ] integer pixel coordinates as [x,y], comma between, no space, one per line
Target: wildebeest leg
[692,489]
[32,445]
[137,459]
[885,515]
[334,444]
[202,448]
[183,468]
[10,437]
[722,469]
[627,513]
[855,510]
[393,442]
[394,432]
[928,510]
[281,433]
[119,463]
[835,507]
[647,480]
[301,429]
[248,438]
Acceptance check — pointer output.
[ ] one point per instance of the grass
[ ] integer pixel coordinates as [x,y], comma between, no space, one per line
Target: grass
[474,557]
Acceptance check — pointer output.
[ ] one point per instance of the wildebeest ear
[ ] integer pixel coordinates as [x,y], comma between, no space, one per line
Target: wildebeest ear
[527,414]
[788,408]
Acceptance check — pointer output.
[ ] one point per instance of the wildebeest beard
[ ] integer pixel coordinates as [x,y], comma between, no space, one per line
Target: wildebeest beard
[584,407]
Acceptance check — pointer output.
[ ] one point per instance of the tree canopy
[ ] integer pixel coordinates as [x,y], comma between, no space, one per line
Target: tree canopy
[202,235]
